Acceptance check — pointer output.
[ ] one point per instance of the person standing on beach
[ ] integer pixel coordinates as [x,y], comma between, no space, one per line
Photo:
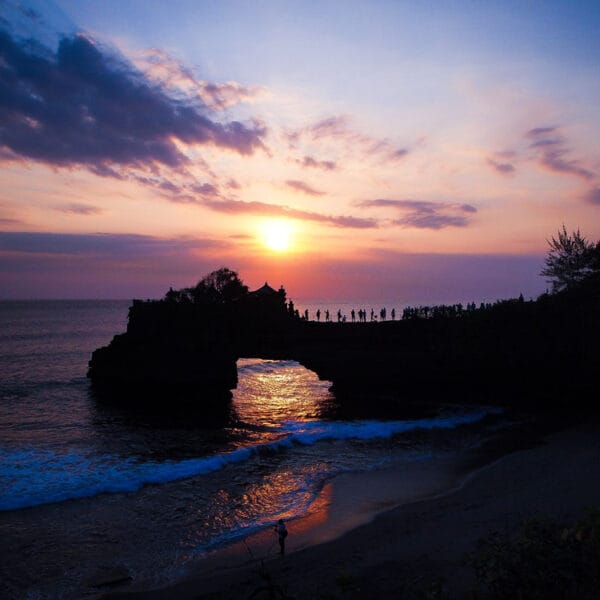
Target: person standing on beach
[282,534]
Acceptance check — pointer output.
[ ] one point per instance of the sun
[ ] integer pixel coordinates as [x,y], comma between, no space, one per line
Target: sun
[277,235]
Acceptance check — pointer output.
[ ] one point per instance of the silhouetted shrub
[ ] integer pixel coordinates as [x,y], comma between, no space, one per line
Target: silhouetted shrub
[545,560]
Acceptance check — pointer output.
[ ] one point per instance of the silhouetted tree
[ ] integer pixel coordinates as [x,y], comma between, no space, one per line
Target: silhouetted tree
[571,260]
[222,285]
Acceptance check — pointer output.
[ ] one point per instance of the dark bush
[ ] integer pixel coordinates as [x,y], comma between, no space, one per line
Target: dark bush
[547,559]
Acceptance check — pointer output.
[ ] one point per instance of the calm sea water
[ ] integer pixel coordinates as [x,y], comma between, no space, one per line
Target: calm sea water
[87,483]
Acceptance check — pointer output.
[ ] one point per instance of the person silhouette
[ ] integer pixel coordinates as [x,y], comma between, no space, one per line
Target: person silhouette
[282,533]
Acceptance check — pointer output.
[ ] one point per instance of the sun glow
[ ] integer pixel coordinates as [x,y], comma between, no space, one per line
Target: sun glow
[277,235]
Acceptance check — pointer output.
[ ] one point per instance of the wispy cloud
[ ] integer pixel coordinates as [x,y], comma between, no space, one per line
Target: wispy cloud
[100,244]
[340,128]
[302,186]
[593,196]
[275,210]
[425,215]
[551,152]
[504,168]
[313,163]
[79,209]
[10,221]
[178,78]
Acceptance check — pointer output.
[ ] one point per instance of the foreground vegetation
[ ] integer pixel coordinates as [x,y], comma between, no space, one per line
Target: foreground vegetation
[547,559]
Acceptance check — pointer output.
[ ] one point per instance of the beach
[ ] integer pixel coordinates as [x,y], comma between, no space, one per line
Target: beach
[412,548]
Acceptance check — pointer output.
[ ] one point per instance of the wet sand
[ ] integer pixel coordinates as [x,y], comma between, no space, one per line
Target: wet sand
[402,551]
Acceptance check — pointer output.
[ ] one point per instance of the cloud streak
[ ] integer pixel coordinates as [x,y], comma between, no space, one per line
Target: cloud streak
[114,245]
[551,151]
[313,163]
[79,209]
[339,129]
[504,168]
[593,196]
[275,210]
[302,186]
[425,215]
[111,265]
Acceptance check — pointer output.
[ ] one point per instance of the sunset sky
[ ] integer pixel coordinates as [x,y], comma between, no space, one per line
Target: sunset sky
[416,151]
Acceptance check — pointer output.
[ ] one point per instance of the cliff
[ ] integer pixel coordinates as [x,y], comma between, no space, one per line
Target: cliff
[541,353]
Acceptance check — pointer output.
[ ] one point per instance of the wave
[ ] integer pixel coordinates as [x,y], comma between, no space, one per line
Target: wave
[311,432]
[262,365]
[32,477]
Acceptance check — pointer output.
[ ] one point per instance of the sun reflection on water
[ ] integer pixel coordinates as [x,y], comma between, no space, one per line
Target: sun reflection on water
[271,393]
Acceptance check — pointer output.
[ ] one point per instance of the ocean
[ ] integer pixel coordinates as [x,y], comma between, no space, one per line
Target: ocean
[87,483]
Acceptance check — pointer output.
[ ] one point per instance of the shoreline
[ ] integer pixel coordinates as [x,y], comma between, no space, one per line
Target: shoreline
[318,560]
[341,506]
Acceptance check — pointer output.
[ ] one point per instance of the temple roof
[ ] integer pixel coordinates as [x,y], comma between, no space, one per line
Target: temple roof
[265,290]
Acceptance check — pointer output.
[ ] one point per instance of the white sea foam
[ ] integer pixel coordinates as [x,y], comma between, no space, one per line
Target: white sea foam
[30,477]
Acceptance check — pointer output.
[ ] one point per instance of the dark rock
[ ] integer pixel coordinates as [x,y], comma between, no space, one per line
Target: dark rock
[109,576]
[542,353]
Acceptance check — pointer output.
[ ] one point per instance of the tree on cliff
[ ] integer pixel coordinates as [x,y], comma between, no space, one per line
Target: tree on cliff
[222,285]
[571,260]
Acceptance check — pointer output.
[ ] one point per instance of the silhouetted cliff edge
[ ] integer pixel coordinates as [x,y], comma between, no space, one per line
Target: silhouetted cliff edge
[542,353]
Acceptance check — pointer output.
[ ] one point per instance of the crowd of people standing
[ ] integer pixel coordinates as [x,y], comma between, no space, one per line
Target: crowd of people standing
[356,315]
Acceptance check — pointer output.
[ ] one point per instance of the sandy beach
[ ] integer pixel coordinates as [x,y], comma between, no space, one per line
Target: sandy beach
[405,551]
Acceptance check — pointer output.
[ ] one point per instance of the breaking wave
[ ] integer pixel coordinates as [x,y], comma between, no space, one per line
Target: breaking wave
[31,477]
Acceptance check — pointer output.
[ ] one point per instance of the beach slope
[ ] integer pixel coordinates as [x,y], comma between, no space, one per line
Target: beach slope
[413,548]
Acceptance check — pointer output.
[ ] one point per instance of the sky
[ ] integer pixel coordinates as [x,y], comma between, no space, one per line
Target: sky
[421,152]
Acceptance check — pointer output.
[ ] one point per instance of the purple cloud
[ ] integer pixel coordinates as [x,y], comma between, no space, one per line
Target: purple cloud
[276,210]
[554,161]
[98,244]
[331,127]
[431,221]
[9,221]
[325,165]
[58,265]
[551,151]
[400,153]
[232,184]
[301,186]
[593,196]
[339,128]
[501,167]
[536,132]
[79,209]
[83,106]
[425,215]
[206,190]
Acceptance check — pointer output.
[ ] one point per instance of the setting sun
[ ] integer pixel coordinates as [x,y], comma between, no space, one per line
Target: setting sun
[277,235]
